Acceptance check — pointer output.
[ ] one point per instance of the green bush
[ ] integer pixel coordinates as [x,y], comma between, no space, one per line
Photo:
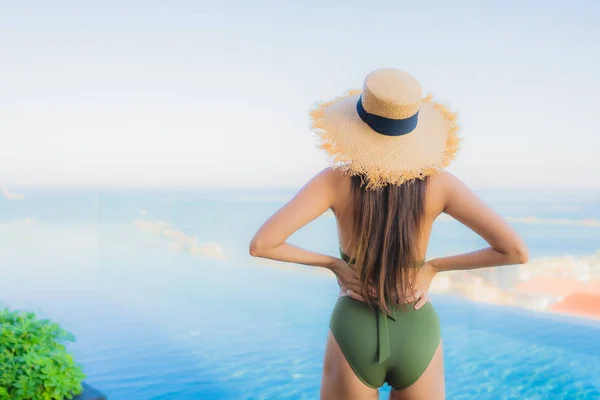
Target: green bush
[34,364]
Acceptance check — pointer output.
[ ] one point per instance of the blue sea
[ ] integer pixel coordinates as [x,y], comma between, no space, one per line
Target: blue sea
[155,322]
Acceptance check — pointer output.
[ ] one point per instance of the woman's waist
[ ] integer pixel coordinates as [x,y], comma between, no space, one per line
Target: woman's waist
[400,298]
[392,305]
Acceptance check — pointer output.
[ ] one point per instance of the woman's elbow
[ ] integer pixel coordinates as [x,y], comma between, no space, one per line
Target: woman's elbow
[519,254]
[255,248]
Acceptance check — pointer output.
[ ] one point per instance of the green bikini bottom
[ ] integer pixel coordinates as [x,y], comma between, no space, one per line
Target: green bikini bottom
[395,349]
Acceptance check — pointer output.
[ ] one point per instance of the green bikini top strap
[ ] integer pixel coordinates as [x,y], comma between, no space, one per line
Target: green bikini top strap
[346,257]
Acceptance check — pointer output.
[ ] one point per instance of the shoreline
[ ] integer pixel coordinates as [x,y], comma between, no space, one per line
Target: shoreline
[521,286]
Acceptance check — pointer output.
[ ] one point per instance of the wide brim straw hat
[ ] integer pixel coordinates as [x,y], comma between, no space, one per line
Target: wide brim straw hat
[388,133]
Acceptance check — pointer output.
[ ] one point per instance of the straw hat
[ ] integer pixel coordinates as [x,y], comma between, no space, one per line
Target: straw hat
[388,132]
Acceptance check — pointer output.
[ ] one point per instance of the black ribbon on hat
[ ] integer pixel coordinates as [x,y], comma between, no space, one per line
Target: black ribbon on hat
[387,126]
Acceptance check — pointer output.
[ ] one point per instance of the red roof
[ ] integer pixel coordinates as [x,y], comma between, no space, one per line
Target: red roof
[584,304]
[558,286]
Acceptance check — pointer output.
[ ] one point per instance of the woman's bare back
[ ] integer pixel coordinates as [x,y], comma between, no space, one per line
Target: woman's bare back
[434,206]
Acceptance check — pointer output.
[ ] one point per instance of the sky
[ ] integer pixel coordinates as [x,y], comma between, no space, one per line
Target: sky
[198,93]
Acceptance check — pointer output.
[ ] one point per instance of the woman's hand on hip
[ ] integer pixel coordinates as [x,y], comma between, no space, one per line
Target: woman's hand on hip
[348,279]
[426,275]
[422,298]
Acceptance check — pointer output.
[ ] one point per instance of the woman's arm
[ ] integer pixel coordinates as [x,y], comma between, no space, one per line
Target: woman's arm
[316,197]
[506,247]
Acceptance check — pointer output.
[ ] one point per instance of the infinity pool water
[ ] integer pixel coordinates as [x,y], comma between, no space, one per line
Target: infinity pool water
[153,322]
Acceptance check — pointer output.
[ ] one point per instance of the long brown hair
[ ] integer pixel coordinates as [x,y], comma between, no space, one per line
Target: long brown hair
[385,237]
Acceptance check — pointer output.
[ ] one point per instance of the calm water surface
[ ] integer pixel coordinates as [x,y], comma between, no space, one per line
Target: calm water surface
[153,322]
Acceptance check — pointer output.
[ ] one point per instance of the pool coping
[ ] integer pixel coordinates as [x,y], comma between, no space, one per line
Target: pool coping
[90,393]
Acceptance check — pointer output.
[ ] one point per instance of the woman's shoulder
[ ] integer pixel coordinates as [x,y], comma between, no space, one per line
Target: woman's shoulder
[441,187]
[328,182]
[443,180]
[333,177]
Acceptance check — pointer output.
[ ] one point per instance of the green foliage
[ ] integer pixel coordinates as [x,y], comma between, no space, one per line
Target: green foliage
[34,363]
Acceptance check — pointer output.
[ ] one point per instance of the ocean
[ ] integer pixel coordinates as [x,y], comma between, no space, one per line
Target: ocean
[156,321]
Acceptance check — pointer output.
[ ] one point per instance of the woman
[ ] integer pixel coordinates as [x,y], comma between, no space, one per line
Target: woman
[386,186]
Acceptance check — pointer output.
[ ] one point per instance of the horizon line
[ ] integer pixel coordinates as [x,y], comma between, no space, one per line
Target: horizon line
[141,187]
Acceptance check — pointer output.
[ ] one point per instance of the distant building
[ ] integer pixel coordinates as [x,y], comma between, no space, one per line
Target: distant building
[505,277]
[562,286]
[583,304]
